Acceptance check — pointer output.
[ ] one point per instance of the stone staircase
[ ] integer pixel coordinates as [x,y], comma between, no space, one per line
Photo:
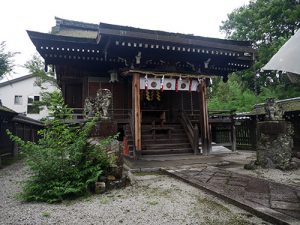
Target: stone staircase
[164,143]
[175,142]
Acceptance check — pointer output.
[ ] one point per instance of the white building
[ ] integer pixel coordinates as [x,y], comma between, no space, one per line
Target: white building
[20,93]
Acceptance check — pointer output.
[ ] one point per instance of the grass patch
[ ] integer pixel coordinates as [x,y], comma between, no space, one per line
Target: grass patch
[220,214]
[104,200]
[212,205]
[153,202]
[45,214]
[157,173]
[234,220]
[155,192]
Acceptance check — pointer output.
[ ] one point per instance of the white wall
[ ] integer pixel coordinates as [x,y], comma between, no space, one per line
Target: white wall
[24,88]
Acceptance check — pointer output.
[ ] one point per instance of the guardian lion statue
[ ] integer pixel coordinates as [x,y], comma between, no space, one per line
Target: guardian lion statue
[98,105]
[273,111]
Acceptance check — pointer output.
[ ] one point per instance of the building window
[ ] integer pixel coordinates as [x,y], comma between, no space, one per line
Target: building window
[31,107]
[18,99]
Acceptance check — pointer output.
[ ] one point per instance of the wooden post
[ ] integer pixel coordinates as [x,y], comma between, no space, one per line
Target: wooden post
[253,135]
[233,134]
[196,140]
[204,126]
[137,113]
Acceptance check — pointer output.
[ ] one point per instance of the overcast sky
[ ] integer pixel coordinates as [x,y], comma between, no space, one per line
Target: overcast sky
[199,17]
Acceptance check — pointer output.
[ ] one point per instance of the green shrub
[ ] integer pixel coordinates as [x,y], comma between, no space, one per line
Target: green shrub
[62,163]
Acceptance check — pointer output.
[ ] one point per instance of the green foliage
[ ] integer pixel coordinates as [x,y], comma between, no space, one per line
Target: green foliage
[62,163]
[235,95]
[6,62]
[268,24]
[37,68]
[54,102]
[231,96]
[263,21]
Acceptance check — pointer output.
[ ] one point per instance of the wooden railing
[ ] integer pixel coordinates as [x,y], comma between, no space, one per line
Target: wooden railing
[222,126]
[192,132]
[119,115]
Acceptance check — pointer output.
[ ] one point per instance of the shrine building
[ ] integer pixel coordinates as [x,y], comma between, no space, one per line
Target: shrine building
[157,80]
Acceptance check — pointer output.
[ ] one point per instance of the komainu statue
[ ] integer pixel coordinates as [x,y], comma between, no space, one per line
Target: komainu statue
[99,104]
[273,111]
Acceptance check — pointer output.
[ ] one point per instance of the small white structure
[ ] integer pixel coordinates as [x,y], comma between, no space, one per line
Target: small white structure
[20,93]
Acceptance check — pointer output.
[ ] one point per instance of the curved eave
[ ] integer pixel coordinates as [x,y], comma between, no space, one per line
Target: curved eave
[172,38]
[55,48]
[35,36]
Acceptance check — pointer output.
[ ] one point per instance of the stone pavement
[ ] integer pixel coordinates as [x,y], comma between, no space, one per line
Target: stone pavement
[274,202]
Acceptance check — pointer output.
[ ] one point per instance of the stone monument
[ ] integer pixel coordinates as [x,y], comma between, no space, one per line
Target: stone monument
[275,141]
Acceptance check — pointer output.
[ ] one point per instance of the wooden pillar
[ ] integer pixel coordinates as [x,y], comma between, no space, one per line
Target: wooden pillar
[136,113]
[204,126]
[233,134]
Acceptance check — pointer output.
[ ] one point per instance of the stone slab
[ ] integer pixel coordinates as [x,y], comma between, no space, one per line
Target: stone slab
[254,195]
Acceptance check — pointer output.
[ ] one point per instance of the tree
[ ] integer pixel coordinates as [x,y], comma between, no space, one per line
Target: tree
[268,24]
[6,60]
[231,96]
[37,68]
[50,100]
[63,163]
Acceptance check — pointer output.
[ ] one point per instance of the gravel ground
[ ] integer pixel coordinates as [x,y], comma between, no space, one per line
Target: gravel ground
[291,177]
[151,199]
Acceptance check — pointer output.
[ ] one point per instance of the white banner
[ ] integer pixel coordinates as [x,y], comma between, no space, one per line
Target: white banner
[169,84]
[153,83]
[184,85]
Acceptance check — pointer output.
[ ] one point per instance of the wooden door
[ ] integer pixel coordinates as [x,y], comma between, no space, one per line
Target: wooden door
[74,95]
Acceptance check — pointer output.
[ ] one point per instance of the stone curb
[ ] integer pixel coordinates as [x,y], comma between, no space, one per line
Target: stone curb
[265,213]
[137,170]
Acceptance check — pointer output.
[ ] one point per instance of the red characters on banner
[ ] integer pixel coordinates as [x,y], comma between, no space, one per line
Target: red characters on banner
[190,86]
[176,85]
[146,83]
[162,83]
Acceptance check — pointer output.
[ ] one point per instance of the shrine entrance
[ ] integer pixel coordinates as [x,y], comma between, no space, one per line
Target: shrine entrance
[162,125]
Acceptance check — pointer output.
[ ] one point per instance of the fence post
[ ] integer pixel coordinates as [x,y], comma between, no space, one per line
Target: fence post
[196,140]
[253,134]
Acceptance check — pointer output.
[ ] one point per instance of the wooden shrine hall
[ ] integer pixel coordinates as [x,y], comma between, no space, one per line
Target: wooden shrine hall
[158,80]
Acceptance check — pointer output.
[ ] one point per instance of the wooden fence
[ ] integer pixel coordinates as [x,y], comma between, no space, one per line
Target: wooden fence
[20,126]
[245,134]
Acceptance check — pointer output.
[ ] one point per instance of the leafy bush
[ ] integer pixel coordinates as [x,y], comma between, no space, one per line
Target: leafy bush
[62,163]
[236,94]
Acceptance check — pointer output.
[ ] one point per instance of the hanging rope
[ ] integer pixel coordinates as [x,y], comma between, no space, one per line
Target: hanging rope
[161,74]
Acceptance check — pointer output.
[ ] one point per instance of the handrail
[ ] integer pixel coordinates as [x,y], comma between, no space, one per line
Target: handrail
[212,112]
[78,114]
[131,123]
[131,126]
[192,132]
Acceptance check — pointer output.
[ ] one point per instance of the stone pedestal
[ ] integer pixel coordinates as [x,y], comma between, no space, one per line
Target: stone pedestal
[275,142]
[104,128]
